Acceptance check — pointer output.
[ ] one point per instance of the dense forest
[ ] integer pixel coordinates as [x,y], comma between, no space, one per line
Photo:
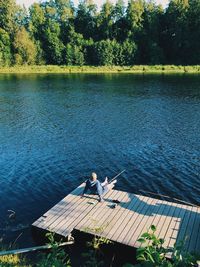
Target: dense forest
[141,32]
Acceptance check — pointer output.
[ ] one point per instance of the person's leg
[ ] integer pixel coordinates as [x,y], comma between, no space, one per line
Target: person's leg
[111,185]
[105,182]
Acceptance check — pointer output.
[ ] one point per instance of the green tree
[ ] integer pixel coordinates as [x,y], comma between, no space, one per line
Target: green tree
[37,18]
[37,22]
[86,19]
[105,21]
[64,10]
[115,53]
[119,10]
[8,11]
[75,49]
[149,40]
[176,32]
[104,52]
[135,11]
[129,52]
[74,55]
[5,48]
[65,17]
[50,10]
[120,27]
[24,47]
[52,44]
[193,33]
[40,54]
[45,27]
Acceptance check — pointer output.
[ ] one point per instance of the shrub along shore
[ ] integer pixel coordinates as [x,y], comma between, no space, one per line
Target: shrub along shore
[101,69]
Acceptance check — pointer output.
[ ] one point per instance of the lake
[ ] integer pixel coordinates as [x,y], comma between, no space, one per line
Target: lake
[56,129]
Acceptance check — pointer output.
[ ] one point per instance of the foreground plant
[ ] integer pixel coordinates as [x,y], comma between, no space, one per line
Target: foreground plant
[182,258]
[56,257]
[152,251]
[93,257]
[13,261]
[153,254]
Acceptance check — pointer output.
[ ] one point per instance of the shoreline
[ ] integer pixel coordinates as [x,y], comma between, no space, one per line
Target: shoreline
[136,69]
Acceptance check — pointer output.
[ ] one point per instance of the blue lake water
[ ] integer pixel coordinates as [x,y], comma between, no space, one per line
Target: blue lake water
[56,129]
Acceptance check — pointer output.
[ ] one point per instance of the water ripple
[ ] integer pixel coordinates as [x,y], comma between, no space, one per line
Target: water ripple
[56,129]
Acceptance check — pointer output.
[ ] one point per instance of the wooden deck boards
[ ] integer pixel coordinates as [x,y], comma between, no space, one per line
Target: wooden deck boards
[127,221]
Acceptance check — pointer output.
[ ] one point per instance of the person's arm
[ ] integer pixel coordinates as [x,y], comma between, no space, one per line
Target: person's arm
[85,188]
[100,191]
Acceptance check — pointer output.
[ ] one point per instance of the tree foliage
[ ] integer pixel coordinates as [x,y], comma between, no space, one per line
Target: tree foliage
[141,32]
[25,49]
[5,48]
[8,11]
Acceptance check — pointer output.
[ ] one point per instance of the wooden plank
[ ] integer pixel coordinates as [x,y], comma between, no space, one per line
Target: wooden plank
[103,217]
[59,207]
[157,216]
[56,210]
[76,215]
[93,214]
[87,212]
[182,232]
[125,219]
[64,220]
[160,218]
[92,217]
[121,219]
[132,235]
[166,214]
[147,222]
[167,221]
[190,227]
[196,226]
[132,215]
[163,210]
[174,227]
[66,217]
[115,215]
[101,214]
[70,196]
[52,218]
[197,245]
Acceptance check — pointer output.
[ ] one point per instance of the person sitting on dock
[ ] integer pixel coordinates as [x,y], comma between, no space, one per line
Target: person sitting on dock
[95,187]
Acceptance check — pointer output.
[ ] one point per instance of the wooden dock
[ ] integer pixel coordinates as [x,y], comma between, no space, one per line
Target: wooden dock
[127,221]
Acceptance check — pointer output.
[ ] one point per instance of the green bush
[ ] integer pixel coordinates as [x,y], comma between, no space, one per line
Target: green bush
[151,253]
[104,52]
[74,55]
[25,49]
[56,257]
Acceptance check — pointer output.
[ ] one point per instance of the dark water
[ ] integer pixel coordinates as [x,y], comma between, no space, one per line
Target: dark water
[56,129]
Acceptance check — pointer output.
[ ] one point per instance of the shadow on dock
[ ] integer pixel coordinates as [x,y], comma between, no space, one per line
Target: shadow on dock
[125,222]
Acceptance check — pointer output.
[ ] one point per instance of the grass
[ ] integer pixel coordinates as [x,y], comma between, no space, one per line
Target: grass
[13,261]
[102,69]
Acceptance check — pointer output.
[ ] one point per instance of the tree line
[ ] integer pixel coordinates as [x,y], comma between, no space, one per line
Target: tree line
[141,32]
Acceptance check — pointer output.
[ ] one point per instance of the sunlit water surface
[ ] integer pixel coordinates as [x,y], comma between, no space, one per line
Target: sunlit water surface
[56,129]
